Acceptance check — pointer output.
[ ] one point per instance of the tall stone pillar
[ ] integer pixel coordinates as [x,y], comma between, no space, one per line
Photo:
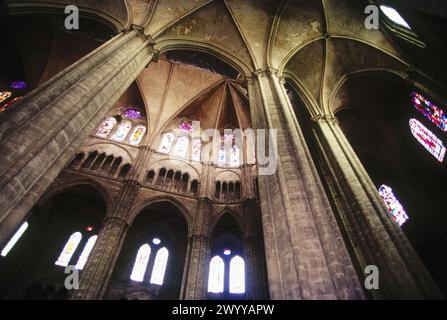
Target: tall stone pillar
[256,282]
[137,173]
[376,238]
[196,272]
[305,254]
[42,132]
[195,277]
[101,262]
[104,256]
[247,182]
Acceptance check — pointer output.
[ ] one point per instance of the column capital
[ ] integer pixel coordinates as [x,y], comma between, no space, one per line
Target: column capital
[250,80]
[262,73]
[140,30]
[210,164]
[200,237]
[133,183]
[146,37]
[204,199]
[145,148]
[324,118]
[114,218]
[155,53]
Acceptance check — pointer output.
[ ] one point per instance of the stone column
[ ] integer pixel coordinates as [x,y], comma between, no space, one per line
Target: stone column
[100,266]
[102,260]
[196,274]
[375,237]
[195,277]
[137,173]
[256,281]
[41,133]
[305,254]
[247,182]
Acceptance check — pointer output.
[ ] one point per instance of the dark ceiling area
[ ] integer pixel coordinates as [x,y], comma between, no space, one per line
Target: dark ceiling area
[38,46]
[203,61]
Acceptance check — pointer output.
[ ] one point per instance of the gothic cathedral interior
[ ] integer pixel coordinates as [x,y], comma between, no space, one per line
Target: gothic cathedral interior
[223,149]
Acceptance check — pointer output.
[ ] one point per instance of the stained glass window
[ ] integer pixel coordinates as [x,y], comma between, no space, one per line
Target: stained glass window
[9,103]
[196,150]
[18,85]
[430,111]
[139,268]
[228,144]
[166,143]
[222,156]
[186,126]
[235,156]
[428,139]
[161,261]
[86,252]
[69,249]
[216,275]
[237,275]
[123,129]
[132,114]
[394,16]
[181,147]
[11,243]
[106,127]
[228,138]
[4,95]
[393,205]
[137,135]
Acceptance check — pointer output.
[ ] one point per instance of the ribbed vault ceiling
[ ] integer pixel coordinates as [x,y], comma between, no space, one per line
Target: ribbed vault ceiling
[317,43]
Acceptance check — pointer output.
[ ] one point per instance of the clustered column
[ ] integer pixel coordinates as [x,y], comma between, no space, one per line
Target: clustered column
[39,136]
[99,268]
[100,265]
[256,281]
[195,280]
[195,276]
[305,254]
[377,239]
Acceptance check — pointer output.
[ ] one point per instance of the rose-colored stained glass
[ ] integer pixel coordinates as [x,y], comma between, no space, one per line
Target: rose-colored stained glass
[430,111]
[428,140]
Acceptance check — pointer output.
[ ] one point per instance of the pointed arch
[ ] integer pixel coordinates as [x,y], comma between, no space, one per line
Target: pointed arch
[116,17]
[360,73]
[107,197]
[139,208]
[304,94]
[109,148]
[234,215]
[201,46]
[273,32]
